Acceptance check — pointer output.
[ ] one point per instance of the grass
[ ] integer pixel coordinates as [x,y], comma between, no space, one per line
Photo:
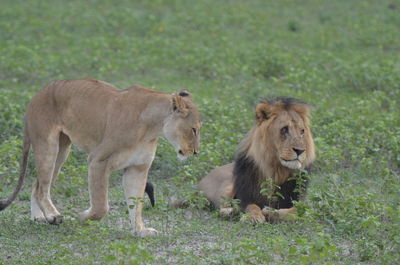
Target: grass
[340,56]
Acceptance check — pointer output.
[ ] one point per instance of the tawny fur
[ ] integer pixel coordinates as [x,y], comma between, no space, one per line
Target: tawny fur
[270,151]
[118,128]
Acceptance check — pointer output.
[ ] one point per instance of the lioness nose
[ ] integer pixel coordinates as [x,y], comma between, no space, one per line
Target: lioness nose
[195,152]
[298,151]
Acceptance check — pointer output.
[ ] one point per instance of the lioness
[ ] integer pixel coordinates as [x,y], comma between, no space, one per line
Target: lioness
[271,155]
[118,128]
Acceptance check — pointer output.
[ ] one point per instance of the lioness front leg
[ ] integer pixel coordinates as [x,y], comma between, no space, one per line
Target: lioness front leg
[254,213]
[134,182]
[98,190]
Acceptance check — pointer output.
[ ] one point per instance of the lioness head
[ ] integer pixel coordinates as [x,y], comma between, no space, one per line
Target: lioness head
[283,124]
[182,127]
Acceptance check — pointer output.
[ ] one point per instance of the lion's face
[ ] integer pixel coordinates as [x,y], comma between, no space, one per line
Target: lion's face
[285,128]
[182,127]
[289,131]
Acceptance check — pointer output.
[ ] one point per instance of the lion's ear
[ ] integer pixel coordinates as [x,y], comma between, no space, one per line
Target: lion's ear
[178,104]
[263,111]
[304,110]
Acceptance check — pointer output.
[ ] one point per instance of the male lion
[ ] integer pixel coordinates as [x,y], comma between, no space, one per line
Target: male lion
[118,128]
[271,155]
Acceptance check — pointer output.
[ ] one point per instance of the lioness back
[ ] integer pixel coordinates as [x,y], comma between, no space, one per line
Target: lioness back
[77,107]
[87,108]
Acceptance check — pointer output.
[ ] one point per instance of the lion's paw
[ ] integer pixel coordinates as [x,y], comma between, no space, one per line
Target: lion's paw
[271,214]
[226,211]
[146,232]
[253,218]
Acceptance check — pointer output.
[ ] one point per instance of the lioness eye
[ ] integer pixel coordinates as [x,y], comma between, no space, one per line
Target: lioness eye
[285,130]
[302,131]
[194,131]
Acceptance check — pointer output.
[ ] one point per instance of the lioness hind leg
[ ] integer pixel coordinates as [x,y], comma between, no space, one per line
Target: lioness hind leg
[45,158]
[63,151]
[36,212]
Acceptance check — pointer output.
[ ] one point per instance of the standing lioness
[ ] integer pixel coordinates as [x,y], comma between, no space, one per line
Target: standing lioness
[118,128]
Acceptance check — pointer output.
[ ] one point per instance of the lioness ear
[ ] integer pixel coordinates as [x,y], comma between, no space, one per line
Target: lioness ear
[263,111]
[178,104]
[185,93]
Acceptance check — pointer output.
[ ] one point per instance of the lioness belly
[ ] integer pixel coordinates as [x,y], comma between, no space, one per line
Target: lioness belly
[142,154]
[82,141]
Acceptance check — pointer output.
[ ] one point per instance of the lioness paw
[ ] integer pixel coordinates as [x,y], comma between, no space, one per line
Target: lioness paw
[84,216]
[54,219]
[146,232]
[40,219]
[90,215]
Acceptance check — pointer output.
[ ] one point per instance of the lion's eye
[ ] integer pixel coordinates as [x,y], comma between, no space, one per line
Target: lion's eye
[302,131]
[194,131]
[285,130]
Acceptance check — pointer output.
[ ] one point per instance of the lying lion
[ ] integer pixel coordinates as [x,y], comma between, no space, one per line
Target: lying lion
[271,155]
[118,128]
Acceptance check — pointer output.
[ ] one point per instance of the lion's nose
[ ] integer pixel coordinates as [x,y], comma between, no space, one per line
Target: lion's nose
[195,152]
[298,151]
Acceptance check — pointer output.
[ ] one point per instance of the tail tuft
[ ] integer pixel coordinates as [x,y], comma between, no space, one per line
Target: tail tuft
[4,204]
[150,192]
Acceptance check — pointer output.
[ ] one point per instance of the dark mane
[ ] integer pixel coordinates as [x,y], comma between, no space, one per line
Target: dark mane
[247,184]
[247,180]
[285,101]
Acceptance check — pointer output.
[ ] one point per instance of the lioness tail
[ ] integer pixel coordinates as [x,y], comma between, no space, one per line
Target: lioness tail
[24,162]
[150,192]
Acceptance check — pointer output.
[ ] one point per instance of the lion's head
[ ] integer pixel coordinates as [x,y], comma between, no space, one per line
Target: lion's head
[182,127]
[281,137]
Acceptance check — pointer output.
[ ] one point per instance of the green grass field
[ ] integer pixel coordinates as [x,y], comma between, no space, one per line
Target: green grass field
[342,57]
